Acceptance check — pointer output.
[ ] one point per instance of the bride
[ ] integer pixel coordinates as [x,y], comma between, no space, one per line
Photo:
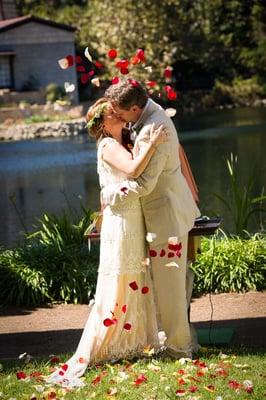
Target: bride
[122,322]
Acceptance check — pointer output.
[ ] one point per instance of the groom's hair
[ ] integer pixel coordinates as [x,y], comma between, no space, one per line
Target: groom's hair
[127,93]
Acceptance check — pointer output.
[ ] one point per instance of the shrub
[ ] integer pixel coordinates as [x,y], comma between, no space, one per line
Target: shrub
[231,264]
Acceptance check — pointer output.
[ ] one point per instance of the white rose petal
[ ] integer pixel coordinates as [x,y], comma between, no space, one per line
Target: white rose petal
[172,264]
[87,54]
[247,384]
[148,68]
[150,237]
[22,355]
[96,82]
[69,88]
[170,112]
[173,240]
[63,62]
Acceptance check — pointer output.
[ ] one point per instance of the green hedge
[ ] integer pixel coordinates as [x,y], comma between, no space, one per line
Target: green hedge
[40,273]
[230,264]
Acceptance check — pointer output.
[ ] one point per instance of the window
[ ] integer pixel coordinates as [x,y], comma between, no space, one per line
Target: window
[5,73]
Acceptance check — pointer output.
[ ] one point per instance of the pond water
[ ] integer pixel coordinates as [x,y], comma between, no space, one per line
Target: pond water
[48,175]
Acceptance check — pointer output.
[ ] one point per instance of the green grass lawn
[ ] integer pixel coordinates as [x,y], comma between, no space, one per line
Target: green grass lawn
[237,374]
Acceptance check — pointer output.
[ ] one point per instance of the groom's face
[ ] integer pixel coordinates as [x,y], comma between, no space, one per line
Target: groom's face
[131,115]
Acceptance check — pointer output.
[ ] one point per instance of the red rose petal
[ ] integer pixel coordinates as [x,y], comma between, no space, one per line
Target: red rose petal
[145,289]
[133,82]
[234,384]
[140,379]
[54,360]
[162,253]
[134,285]
[122,64]
[151,83]
[91,72]
[153,253]
[112,53]
[168,72]
[135,60]
[107,322]
[171,95]
[180,391]
[124,308]
[127,326]
[61,373]
[78,60]
[167,88]
[80,68]
[192,389]
[181,381]
[51,396]
[81,360]
[96,380]
[21,375]
[124,71]
[70,60]
[124,190]
[178,254]
[181,372]
[98,64]
[84,78]
[115,80]
[141,55]
[64,367]
[170,254]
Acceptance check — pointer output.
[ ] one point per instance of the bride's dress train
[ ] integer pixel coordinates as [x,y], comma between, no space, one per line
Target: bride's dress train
[122,322]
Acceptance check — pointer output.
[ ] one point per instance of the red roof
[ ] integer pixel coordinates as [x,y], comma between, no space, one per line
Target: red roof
[11,23]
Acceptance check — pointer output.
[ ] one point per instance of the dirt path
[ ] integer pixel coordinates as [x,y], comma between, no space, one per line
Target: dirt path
[55,329]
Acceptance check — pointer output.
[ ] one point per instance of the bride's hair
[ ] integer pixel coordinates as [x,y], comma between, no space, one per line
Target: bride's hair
[127,93]
[94,117]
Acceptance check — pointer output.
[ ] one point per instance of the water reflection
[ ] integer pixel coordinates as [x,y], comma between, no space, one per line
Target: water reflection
[38,172]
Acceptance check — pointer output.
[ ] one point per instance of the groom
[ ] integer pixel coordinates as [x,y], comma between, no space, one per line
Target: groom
[168,207]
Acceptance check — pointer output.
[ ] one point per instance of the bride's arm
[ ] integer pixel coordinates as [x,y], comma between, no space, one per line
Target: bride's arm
[117,156]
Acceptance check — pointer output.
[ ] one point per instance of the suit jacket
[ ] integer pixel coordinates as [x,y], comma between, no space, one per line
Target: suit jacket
[166,199]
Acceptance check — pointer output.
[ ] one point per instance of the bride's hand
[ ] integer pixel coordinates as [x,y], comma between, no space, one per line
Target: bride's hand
[158,135]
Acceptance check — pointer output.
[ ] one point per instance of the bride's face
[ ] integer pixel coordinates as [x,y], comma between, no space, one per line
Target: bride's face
[112,123]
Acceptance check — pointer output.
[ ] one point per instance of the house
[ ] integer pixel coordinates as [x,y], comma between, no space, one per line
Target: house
[29,50]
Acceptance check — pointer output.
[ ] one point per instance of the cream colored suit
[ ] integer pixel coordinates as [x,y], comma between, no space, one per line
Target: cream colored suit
[169,210]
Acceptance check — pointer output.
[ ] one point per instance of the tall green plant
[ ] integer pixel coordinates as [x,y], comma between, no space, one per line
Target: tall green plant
[242,205]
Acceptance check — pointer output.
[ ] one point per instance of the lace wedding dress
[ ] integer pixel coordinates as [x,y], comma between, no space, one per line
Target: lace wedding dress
[122,322]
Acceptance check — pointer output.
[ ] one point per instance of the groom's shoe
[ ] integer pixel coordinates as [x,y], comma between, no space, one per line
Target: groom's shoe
[176,355]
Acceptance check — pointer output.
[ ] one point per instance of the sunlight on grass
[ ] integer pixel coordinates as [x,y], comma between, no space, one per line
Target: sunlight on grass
[214,375]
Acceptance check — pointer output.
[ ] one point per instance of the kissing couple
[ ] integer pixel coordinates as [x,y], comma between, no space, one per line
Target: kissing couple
[141,299]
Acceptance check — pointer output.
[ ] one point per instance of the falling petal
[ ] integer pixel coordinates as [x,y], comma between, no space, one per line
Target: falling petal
[127,326]
[172,264]
[87,54]
[148,68]
[112,53]
[124,308]
[84,78]
[22,355]
[115,80]
[145,290]
[133,285]
[170,112]
[170,254]
[173,240]
[140,379]
[172,95]
[96,82]
[98,64]
[124,71]
[180,392]
[151,84]
[168,72]
[150,237]
[162,253]
[63,63]
[69,88]
[78,60]
[153,253]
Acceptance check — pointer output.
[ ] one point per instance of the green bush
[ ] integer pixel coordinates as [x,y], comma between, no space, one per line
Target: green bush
[231,264]
[54,92]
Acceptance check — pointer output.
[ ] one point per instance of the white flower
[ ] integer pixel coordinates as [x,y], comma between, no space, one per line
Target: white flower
[150,237]
[87,54]
[170,112]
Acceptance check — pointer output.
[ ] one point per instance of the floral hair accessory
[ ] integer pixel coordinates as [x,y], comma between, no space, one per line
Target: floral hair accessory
[96,116]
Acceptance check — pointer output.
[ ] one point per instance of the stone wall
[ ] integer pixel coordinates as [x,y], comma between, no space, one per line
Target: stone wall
[44,129]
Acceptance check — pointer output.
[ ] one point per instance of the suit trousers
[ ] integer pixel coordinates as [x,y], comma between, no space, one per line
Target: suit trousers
[170,286]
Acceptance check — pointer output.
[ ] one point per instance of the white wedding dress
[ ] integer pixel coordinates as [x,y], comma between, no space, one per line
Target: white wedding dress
[122,322]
